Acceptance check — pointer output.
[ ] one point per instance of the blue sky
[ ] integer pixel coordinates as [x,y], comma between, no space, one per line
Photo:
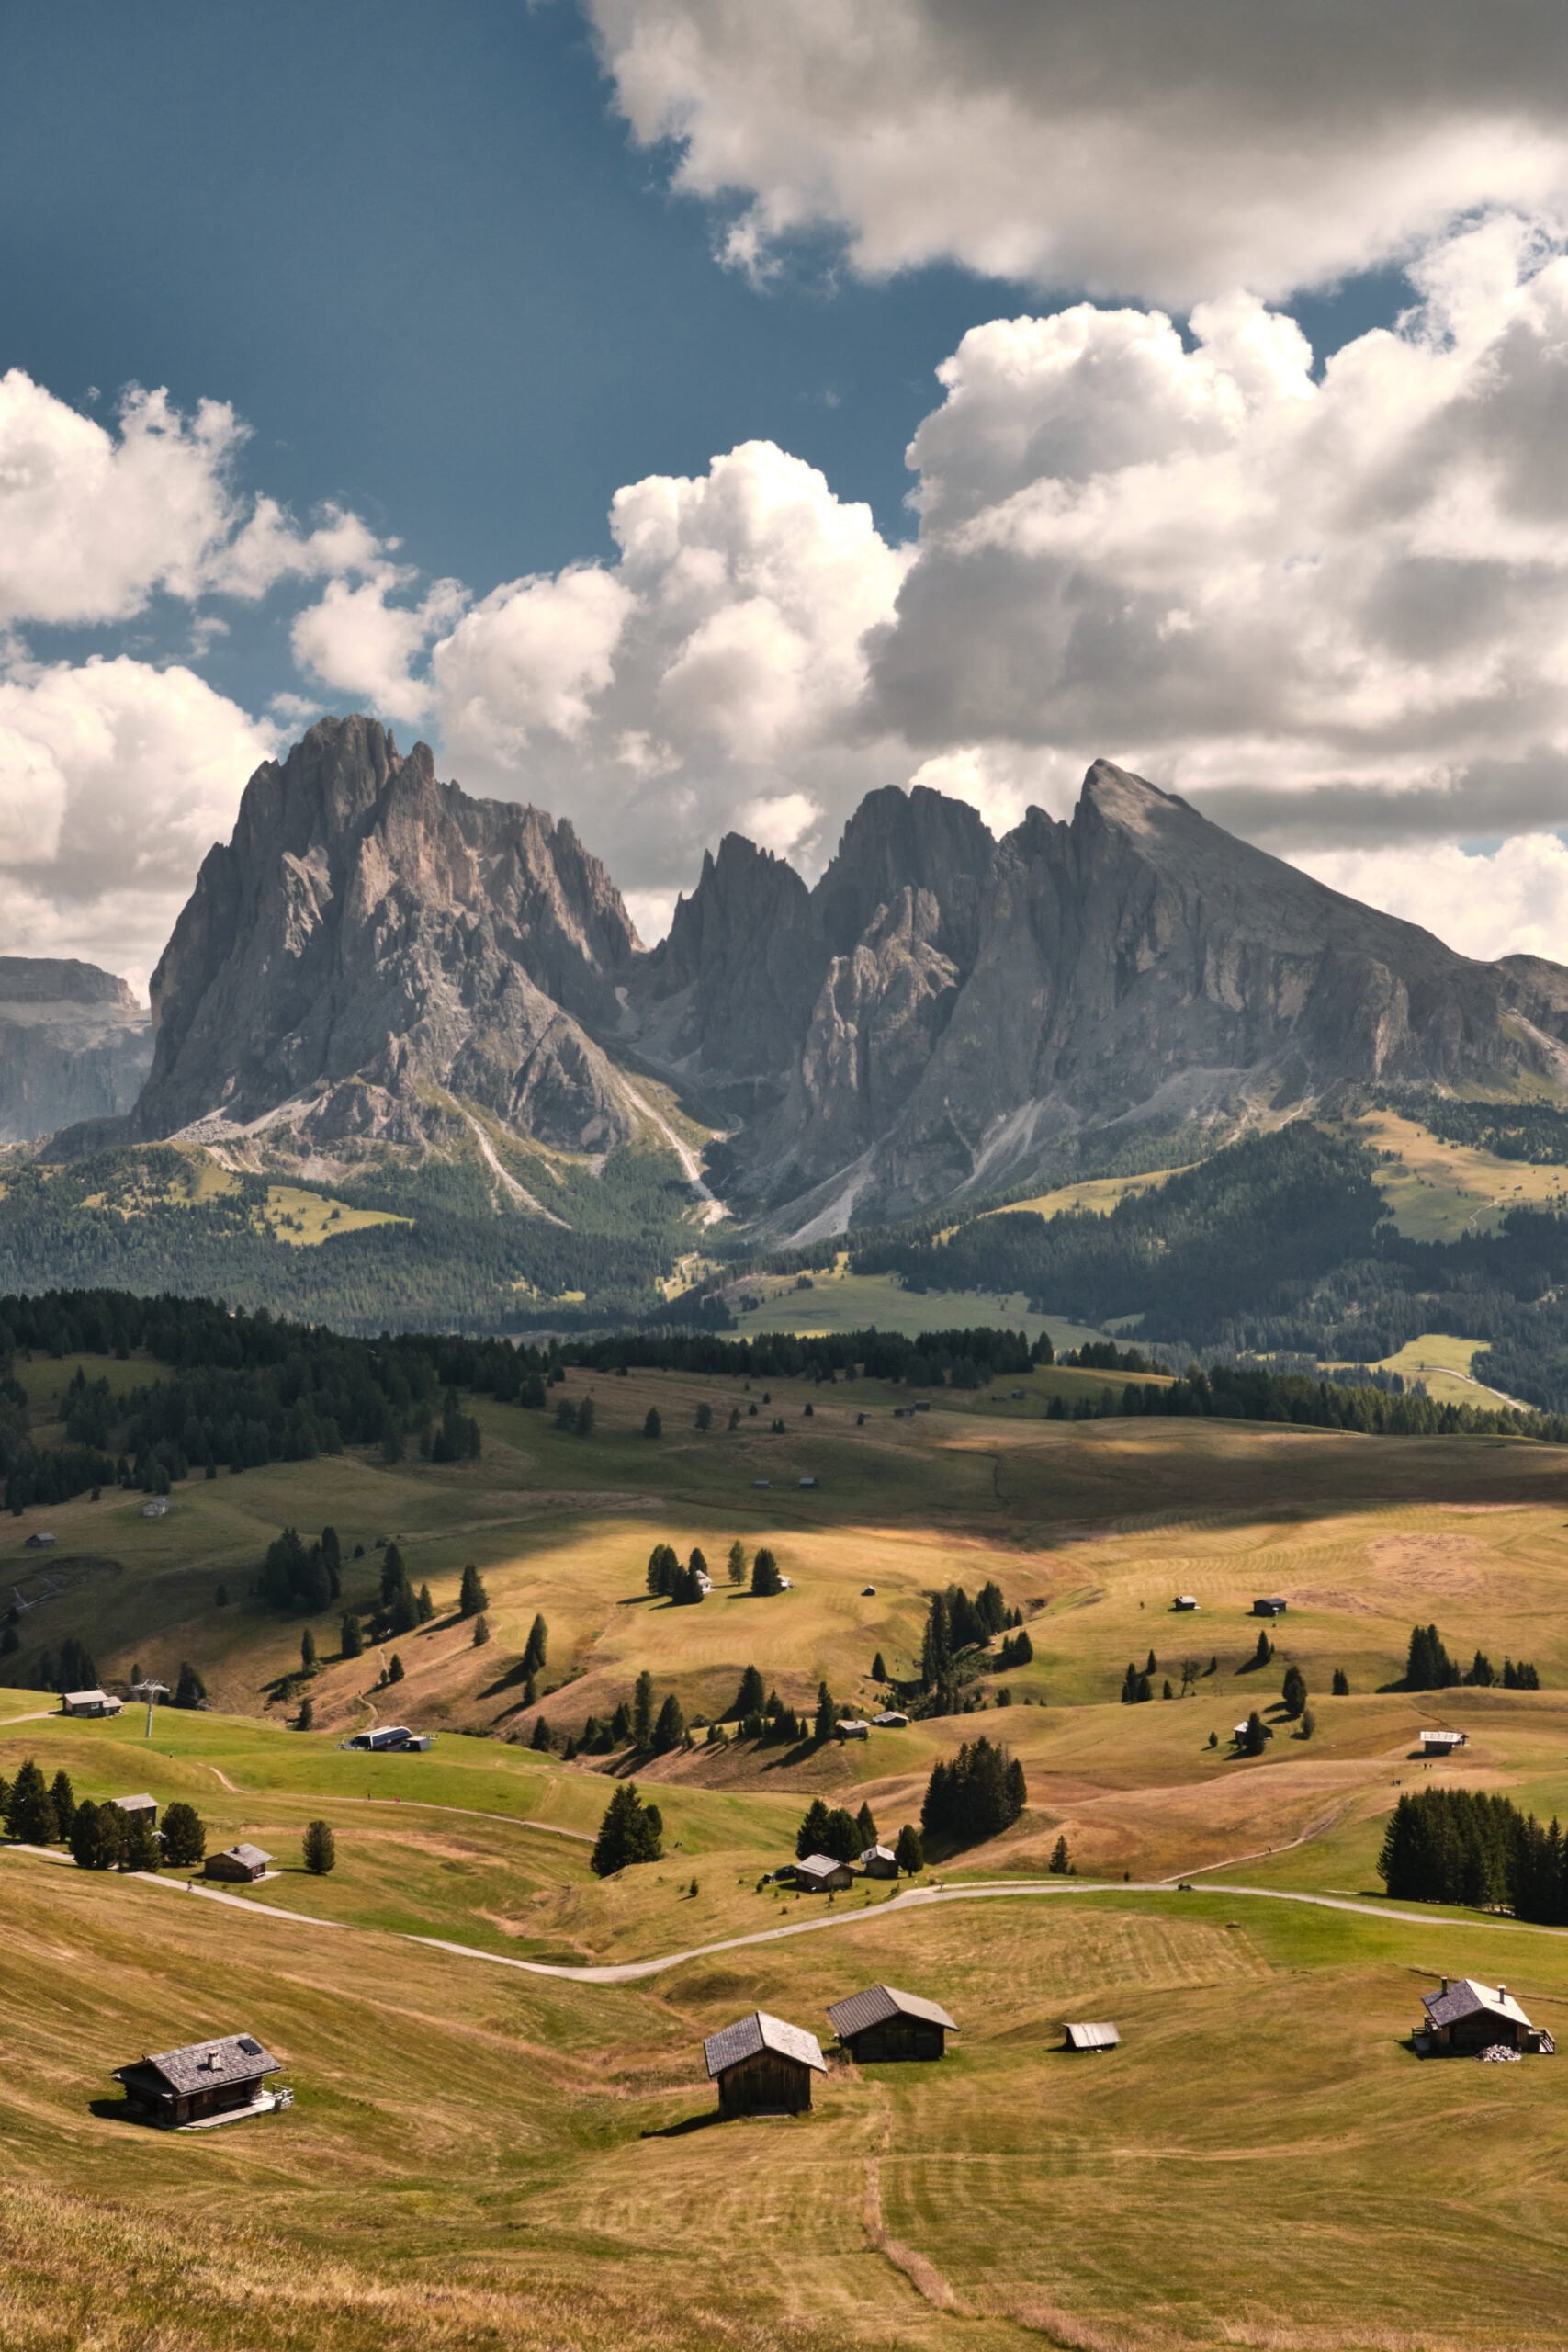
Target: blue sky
[464,274]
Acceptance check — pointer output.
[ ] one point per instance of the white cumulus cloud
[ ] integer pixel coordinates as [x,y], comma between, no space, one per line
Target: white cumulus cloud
[1128,148]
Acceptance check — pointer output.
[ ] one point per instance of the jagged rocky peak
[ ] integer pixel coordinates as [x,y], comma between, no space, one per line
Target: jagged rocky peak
[919,841]
[732,986]
[371,936]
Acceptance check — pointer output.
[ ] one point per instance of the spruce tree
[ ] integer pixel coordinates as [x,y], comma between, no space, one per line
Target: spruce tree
[319,1848]
[142,1850]
[878,1670]
[583,1424]
[190,1691]
[865,1828]
[1059,1864]
[1254,1736]
[1294,1692]
[620,1725]
[642,1709]
[544,1738]
[535,1650]
[351,1640]
[748,1698]
[909,1853]
[670,1729]
[395,1668]
[737,1562]
[472,1598]
[653,1423]
[827,1714]
[97,1836]
[309,1661]
[29,1811]
[184,1836]
[62,1796]
[629,1832]
[765,1580]
[481,1631]
[810,1836]
[1341,1684]
[424,1606]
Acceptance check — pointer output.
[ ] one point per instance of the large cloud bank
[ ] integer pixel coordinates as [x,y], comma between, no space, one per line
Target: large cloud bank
[1133,147]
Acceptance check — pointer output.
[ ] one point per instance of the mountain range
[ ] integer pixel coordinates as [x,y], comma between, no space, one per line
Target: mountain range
[378,961]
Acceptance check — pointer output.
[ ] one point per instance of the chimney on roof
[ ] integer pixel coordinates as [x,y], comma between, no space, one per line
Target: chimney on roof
[1444,1984]
[1502,1992]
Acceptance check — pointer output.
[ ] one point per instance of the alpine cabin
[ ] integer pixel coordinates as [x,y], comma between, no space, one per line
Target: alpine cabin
[207,2082]
[242,1865]
[820,1875]
[1465,2015]
[763,2066]
[88,1703]
[883,2023]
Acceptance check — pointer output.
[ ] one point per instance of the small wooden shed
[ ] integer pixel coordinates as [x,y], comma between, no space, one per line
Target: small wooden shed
[1092,2037]
[1443,1743]
[883,2023]
[88,1703]
[1465,2015]
[207,2082]
[1271,1607]
[879,1862]
[763,2066]
[820,1875]
[1184,1602]
[242,1865]
[139,1808]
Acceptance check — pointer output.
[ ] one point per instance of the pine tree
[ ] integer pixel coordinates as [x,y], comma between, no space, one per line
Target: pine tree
[29,1811]
[1341,1684]
[1254,1735]
[481,1631]
[653,1423]
[671,1728]
[424,1606]
[535,1650]
[309,1661]
[351,1640]
[705,1416]
[190,1691]
[395,1668]
[909,1853]
[142,1850]
[97,1836]
[748,1698]
[642,1709]
[1059,1864]
[1264,1652]
[629,1832]
[62,1796]
[1151,1664]
[1294,1692]
[620,1725]
[319,1847]
[765,1580]
[865,1828]
[878,1670]
[809,1837]
[472,1598]
[306,1718]
[544,1738]
[184,1836]
[827,1714]
[584,1421]
[737,1562]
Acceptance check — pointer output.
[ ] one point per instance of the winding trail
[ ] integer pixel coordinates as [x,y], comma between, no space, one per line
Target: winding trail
[632,1972]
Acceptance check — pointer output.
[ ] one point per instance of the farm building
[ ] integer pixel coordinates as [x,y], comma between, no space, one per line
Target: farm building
[242,1865]
[1465,2015]
[763,2066]
[209,2082]
[143,1807]
[820,1875]
[807,1482]
[881,2023]
[890,1720]
[157,1508]
[1443,1743]
[1092,2037]
[879,1862]
[1274,1607]
[853,1727]
[41,1541]
[88,1703]
[1184,1601]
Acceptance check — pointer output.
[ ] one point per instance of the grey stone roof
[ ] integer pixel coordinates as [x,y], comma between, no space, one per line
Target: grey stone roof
[249,1855]
[1092,2037]
[879,2003]
[1465,1998]
[750,2036]
[205,2065]
[86,1698]
[136,1804]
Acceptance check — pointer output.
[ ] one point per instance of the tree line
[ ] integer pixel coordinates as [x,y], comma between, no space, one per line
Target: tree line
[1460,1846]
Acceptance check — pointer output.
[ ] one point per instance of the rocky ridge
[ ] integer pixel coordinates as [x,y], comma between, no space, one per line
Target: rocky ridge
[74,1043]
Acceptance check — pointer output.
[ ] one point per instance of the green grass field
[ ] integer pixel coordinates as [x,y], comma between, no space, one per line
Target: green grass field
[479,2154]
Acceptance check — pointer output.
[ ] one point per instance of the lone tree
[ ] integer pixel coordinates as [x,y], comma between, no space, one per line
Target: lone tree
[320,1848]
[642,1709]
[705,1416]
[471,1595]
[910,1853]
[536,1647]
[653,1423]
[190,1691]
[481,1631]
[1340,1686]
[309,1661]
[878,1670]
[1294,1692]
[865,1827]
[1060,1863]
[395,1670]
[737,1562]
[584,1421]
[184,1837]
[671,1728]
[1264,1652]
[765,1575]
[351,1640]
[629,1832]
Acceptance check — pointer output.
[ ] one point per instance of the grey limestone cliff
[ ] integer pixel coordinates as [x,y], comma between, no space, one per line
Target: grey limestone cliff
[74,1043]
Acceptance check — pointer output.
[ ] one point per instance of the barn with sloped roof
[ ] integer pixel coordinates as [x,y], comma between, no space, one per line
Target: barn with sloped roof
[883,2023]
[763,2066]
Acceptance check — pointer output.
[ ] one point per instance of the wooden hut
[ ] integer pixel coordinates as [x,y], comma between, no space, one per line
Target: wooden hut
[879,1862]
[1184,1602]
[1465,2015]
[207,2082]
[881,2023]
[242,1865]
[1271,1606]
[144,1808]
[1092,2037]
[1443,1743]
[763,2066]
[820,1875]
[88,1703]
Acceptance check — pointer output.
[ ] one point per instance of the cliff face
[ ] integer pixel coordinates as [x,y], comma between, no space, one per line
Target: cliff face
[371,939]
[75,1045]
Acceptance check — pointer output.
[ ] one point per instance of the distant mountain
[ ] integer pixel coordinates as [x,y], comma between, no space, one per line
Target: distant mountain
[75,1045]
[377,962]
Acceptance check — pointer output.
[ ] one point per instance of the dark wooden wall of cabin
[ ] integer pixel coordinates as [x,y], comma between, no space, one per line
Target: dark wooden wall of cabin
[767,2084]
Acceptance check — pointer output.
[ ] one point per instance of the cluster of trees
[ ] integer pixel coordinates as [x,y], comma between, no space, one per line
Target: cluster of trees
[763,1715]
[845,1835]
[302,1580]
[1428,1667]
[1510,1130]
[1457,1845]
[1017,1649]
[967,1358]
[101,1837]
[974,1795]
[400,1609]
[629,1832]
[667,1578]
